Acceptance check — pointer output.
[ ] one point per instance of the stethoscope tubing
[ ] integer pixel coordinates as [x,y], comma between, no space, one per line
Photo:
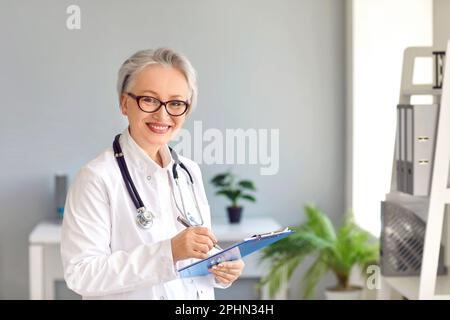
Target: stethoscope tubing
[134,195]
[126,174]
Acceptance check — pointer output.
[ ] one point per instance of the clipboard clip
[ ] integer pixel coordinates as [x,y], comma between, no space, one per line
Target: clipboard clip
[267,234]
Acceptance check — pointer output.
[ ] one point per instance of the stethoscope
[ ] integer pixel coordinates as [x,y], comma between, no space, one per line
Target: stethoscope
[144,216]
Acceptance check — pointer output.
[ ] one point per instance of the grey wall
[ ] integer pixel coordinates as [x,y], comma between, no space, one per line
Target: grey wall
[261,64]
[441,23]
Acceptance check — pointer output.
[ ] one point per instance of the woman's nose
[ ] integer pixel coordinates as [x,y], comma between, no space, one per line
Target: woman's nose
[161,113]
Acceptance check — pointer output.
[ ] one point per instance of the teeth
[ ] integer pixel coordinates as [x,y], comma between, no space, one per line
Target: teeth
[158,127]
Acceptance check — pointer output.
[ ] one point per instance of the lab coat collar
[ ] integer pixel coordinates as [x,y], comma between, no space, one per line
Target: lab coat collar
[139,158]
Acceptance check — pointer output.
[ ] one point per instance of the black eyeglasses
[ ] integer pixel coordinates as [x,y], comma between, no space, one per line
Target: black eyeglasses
[149,104]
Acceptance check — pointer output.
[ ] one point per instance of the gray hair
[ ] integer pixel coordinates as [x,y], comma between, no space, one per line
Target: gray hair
[162,56]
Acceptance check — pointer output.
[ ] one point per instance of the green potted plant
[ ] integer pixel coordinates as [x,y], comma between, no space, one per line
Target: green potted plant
[234,190]
[333,250]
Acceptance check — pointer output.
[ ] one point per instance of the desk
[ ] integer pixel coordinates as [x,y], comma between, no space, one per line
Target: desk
[45,265]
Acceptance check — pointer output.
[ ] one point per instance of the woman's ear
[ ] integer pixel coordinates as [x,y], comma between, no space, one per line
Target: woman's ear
[123,104]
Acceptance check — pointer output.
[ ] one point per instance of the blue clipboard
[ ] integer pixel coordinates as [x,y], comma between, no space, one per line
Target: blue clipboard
[235,252]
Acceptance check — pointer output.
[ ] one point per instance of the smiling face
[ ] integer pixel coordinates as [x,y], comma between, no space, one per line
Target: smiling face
[152,130]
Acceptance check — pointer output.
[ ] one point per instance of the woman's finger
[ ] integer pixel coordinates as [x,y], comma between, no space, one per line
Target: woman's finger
[201,247]
[222,280]
[204,240]
[223,268]
[199,254]
[223,277]
[238,264]
[235,272]
[229,266]
[226,275]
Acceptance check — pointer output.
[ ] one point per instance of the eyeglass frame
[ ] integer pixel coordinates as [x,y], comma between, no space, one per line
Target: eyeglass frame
[162,103]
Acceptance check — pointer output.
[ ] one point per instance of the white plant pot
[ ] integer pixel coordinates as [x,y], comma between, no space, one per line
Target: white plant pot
[354,293]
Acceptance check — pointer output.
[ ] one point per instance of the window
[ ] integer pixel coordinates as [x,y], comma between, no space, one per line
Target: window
[379,31]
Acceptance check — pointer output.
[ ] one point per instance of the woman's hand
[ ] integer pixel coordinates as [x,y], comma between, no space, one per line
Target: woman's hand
[193,242]
[227,272]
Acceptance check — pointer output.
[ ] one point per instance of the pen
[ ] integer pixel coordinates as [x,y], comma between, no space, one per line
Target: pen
[267,234]
[187,225]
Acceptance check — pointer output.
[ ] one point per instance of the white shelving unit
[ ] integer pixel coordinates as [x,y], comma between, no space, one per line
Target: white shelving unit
[431,209]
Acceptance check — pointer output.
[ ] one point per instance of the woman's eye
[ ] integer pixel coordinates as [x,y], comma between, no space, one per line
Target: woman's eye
[176,104]
[149,100]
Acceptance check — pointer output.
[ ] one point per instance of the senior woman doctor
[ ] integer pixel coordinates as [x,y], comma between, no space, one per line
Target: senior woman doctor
[106,254]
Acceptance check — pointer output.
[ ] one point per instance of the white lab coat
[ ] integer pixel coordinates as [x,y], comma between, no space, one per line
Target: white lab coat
[105,254]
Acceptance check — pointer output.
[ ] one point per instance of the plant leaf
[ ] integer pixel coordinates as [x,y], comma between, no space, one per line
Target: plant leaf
[247,184]
[320,223]
[220,180]
[336,250]
[248,197]
[273,279]
[312,277]
[230,194]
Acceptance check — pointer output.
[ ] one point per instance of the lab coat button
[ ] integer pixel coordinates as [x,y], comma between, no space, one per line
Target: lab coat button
[149,178]
[191,281]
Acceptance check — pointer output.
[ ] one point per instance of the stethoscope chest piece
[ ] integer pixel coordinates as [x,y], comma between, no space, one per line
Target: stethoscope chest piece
[144,218]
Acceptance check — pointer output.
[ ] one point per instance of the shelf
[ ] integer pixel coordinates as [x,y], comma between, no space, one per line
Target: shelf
[427,208]
[409,286]
[49,231]
[422,91]
[46,232]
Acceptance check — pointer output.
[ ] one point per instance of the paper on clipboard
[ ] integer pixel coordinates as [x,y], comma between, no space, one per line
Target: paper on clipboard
[235,252]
